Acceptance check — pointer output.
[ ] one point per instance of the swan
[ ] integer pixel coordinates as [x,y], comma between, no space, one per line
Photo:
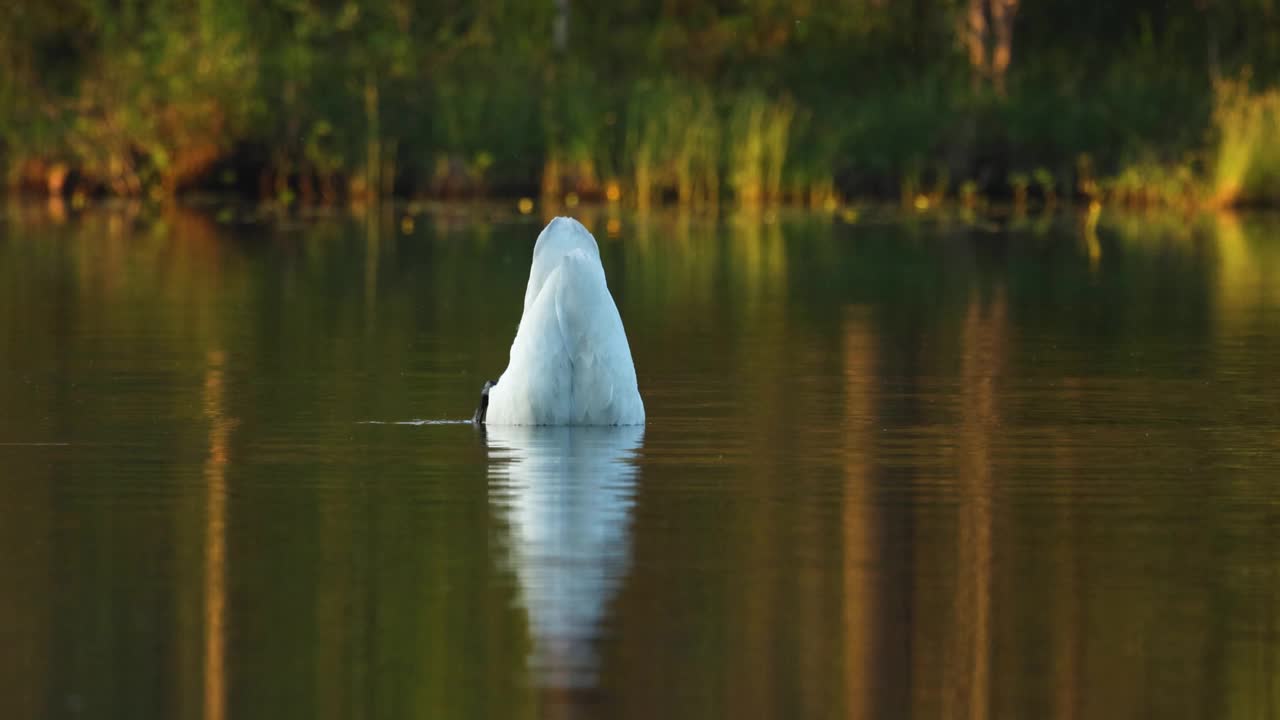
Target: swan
[570,362]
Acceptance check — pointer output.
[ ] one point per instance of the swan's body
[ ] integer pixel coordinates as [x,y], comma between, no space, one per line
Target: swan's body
[570,362]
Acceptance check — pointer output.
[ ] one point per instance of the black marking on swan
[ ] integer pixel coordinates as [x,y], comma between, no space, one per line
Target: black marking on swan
[483,408]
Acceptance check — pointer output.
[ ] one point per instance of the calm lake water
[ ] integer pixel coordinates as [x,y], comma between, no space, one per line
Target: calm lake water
[893,467]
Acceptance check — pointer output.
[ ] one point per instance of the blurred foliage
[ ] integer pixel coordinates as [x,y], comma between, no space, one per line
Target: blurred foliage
[1247,158]
[755,102]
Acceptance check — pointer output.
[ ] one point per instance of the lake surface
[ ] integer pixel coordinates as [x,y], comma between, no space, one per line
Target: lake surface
[893,467]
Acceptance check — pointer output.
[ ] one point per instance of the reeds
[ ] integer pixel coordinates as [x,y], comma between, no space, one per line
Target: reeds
[1148,183]
[757,150]
[1246,165]
[1241,165]
[672,144]
[683,143]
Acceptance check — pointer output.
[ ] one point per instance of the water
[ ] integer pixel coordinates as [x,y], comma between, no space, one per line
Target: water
[897,467]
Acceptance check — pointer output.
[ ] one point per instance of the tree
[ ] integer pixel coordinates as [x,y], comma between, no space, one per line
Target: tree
[988,35]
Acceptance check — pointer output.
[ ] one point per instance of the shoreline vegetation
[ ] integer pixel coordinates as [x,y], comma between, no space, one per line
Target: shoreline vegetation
[976,104]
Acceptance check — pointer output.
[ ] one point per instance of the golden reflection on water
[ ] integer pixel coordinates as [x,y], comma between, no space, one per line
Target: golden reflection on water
[372,254]
[1066,611]
[826,518]
[983,345]
[1248,270]
[1093,247]
[215,539]
[861,601]
[759,255]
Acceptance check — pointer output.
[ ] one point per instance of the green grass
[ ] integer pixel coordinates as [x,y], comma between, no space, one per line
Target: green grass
[1246,164]
[1240,164]
[757,148]
[672,144]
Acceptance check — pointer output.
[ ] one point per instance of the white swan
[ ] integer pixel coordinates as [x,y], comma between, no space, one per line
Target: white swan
[570,362]
[566,494]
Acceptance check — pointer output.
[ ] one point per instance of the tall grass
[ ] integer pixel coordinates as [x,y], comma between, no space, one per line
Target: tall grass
[758,133]
[577,137]
[681,142]
[698,161]
[1149,183]
[1246,167]
[672,144]
[1241,165]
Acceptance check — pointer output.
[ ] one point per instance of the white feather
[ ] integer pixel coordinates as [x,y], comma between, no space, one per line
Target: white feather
[570,361]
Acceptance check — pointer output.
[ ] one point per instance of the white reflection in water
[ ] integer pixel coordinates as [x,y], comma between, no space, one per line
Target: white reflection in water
[566,494]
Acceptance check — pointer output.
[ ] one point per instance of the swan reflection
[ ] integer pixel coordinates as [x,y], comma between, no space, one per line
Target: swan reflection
[566,494]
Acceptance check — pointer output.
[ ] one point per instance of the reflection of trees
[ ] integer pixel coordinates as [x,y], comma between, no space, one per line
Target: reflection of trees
[29,352]
[824,570]
[682,269]
[215,541]
[968,685]
[862,606]
[1247,276]
[1247,360]
[26,557]
[952,576]
[758,254]
[1066,610]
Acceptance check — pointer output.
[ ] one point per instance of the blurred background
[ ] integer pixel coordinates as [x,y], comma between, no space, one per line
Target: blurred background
[1171,102]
